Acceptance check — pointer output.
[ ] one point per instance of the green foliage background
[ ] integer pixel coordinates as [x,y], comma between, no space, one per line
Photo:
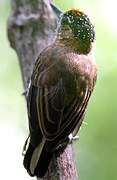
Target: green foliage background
[96,151]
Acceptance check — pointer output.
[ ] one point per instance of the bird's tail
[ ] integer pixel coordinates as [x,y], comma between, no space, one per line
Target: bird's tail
[37,159]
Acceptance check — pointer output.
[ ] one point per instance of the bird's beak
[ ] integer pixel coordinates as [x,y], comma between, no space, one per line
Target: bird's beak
[56,10]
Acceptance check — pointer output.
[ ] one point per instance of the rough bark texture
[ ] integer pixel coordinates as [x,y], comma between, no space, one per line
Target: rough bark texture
[31,27]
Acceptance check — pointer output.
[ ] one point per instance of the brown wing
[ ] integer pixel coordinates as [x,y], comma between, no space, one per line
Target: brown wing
[57,120]
[57,113]
[45,100]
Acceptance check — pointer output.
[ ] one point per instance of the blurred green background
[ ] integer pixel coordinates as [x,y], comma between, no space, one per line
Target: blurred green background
[96,151]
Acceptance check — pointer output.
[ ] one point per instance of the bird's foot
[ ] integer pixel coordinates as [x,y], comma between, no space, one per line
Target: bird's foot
[68,140]
[24,93]
[26,90]
[73,138]
[26,144]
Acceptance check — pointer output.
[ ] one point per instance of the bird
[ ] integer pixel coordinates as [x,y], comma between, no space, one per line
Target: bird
[62,81]
[56,10]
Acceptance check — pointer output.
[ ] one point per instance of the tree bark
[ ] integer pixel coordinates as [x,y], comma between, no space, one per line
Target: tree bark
[31,27]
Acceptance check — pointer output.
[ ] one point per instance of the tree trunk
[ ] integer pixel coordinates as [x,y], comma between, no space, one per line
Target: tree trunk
[31,27]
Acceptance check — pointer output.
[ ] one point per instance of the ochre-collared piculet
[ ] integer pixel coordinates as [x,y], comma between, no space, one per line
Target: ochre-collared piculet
[62,81]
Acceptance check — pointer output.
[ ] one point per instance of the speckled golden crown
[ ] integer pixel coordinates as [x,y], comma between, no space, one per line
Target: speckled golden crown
[80,24]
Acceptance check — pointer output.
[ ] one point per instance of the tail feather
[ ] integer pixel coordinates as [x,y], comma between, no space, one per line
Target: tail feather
[43,162]
[36,160]
[27,158]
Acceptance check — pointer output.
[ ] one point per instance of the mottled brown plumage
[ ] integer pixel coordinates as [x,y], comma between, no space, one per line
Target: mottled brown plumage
[62,81]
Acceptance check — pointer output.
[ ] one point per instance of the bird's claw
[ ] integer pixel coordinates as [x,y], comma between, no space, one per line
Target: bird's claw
[24,93]
[73,138]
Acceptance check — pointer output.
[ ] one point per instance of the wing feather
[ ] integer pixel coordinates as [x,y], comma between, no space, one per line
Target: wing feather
[59,105]
[50,111]
[69,124]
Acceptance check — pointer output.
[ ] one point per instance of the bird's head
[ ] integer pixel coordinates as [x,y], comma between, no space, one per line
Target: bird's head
[76,29]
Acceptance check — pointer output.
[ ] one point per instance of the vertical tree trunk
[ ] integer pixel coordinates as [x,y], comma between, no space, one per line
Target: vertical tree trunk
[31,27]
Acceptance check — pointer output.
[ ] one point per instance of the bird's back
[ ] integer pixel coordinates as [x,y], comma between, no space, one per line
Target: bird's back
[68,78]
